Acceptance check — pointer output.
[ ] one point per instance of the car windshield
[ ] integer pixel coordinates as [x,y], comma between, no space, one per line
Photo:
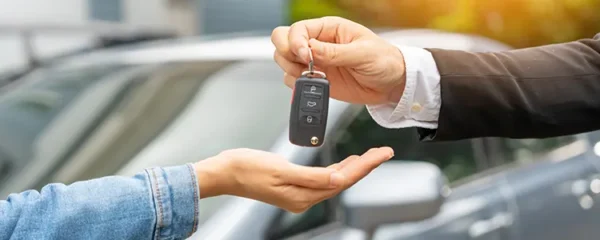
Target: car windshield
[32,104]
[244,105]
[169,115]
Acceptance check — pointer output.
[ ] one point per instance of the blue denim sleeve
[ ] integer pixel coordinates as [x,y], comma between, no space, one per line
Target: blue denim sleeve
[159,203]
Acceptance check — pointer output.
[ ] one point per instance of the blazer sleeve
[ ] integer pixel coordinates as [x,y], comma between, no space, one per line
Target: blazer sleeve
[537,92]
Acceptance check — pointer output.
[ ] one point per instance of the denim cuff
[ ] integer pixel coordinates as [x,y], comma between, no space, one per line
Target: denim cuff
[175,195]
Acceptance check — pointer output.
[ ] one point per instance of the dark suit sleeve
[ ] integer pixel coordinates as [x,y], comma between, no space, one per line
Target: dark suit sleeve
[538,92]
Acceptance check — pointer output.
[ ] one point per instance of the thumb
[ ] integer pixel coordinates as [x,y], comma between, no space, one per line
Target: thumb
[313,177]
[336,54]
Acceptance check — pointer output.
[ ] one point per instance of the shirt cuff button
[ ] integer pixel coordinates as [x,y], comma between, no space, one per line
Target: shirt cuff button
[416,107]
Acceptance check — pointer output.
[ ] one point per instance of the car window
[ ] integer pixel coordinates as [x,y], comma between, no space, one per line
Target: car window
[151,105]
[506,153]
[186,112]
[457,159]
[525,151]
[28,108]
[243,105]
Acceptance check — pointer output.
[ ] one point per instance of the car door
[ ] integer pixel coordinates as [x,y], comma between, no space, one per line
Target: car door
[472,203]
[554,192]
[477,207]
[476,210]
[484,203]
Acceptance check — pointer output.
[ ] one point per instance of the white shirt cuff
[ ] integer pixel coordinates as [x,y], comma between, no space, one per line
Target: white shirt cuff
[420,103]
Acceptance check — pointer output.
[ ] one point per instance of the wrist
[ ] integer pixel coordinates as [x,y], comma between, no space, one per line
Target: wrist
[397,91]
[213,179]
[397,88]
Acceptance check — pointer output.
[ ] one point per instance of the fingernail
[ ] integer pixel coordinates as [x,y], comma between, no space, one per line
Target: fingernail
[336,179]
[303,54]
[391,153]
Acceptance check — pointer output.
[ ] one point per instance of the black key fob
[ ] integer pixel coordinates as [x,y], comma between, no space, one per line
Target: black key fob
[310,104]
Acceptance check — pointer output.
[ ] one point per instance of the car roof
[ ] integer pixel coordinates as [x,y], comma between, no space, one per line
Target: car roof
[253,47]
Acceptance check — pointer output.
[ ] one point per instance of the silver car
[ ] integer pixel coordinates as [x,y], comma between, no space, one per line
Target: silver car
[120,110]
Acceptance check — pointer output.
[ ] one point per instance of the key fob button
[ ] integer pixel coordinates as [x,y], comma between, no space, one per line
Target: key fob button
[313,89]
[309,103]
[310,119]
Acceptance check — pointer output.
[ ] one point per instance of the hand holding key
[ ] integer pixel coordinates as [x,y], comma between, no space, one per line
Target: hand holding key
[361,67]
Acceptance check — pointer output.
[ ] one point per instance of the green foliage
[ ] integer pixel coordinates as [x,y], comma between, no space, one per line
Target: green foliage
[520,23]
[307,9]
[523,23]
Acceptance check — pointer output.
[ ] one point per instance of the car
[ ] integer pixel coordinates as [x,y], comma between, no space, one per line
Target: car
[28,59]
[117,111]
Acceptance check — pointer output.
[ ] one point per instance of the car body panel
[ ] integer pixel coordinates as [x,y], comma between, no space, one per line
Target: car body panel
[554,198]
[251,47]
[466,206]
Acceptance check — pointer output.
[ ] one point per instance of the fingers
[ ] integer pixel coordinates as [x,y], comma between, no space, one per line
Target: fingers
[352,169]
[279,38]
[326,29]
[331,40]
[300,33]
[333,54]
[311,185]
[289,80]
[348,160]
[357,169]
[313,177]
[291,68]
[342,174]
[335,166]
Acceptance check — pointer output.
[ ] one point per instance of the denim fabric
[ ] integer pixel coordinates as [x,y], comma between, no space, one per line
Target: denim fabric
[159,203]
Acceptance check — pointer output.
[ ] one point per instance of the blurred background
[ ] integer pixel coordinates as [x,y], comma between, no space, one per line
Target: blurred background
[90,88]
[519,23]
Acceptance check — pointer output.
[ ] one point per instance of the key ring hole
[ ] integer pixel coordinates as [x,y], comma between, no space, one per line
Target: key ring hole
[313,73]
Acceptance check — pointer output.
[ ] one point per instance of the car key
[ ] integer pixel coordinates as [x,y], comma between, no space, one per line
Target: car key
[310,104]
